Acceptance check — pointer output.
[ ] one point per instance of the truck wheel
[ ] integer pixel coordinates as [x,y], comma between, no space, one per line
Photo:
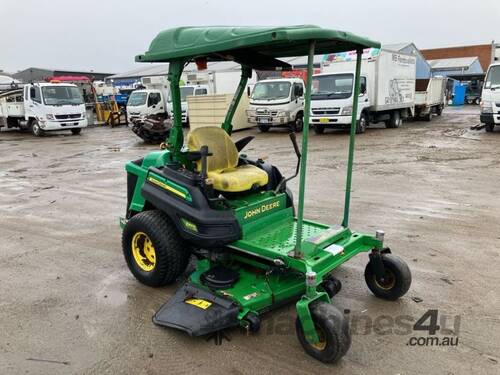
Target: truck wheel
[428,117]
[439,110]
[264,128]
[36,129]
[76,131]
[362,124]
[298,124]
[477,101]
[318,129]
[153,249]
[470,101]
[489,127]
[396,282]
[395,121]
[333,332]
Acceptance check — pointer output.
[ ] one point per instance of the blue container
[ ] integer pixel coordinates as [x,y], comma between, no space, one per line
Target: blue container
[459,94]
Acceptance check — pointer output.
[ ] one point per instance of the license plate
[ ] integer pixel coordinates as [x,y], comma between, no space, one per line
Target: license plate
[323,120]
[201,303]
[263,120]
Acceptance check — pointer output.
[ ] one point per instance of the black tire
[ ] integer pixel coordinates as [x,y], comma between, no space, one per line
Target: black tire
[253,321]
[470,101]
[477,101]
[76,131]
[35,128]
[331,286]
[489,127]
[395,121]
[264,128]
[318,129]
[333,329]
[171,253]
[362,123]
[439,110]
[396,282]
[428,117]
[298,124]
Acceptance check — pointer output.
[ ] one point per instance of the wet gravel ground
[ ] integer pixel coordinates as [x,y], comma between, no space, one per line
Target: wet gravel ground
[68,304]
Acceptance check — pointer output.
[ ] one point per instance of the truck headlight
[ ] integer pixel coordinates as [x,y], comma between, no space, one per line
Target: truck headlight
[347,111]
[486,106]
[283,114]
[50,116]
[84,114]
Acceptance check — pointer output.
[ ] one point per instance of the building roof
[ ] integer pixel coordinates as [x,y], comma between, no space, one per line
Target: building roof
[454,63]
[482,51]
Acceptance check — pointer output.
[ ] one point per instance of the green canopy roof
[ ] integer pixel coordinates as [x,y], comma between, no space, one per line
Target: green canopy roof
[257,47]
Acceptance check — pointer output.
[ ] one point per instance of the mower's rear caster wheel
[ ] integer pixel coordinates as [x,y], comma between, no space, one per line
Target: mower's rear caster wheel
[331,286]
[253,322]
[155,253]
[333,332]
[76,131]
[396,281]
[264,128]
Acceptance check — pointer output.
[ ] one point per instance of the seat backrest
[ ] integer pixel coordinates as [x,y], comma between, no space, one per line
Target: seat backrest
[220,144]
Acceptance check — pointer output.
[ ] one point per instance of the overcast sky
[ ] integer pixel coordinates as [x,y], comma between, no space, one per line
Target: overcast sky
[105,35]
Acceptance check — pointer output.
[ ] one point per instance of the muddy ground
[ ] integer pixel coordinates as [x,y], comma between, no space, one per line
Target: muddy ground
[68,303]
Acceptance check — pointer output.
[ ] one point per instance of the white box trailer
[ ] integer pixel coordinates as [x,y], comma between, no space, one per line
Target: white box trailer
[430,97]
[387,90]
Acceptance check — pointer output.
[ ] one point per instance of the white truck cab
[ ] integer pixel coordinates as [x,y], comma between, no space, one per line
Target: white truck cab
[277,102]
[145,102]
[186,91]
[490,98]
[331,100]
[45,107]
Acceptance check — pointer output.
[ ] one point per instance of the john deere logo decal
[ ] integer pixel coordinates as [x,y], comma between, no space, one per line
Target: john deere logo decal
[261,209]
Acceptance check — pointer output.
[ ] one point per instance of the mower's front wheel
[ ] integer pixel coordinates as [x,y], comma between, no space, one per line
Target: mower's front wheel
[395,282]
[155,253]
[333,333]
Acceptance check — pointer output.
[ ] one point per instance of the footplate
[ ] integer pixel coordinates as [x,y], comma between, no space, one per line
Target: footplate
[197,312]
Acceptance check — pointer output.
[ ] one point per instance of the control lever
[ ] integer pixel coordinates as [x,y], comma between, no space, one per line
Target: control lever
[293,138]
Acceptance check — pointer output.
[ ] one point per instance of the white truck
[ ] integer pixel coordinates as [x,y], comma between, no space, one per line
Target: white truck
[186,91]
[490,98]
[43,107]
[387,90]
[277,102]
[151,100]
[430,97]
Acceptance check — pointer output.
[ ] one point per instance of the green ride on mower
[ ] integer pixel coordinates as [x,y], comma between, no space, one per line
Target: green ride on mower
[203,197]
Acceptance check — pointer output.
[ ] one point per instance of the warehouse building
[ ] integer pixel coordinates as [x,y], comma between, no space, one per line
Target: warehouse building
[34,74]
[455,66]
[486,53]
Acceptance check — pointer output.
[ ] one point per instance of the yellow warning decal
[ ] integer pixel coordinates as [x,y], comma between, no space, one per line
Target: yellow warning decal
[201,303]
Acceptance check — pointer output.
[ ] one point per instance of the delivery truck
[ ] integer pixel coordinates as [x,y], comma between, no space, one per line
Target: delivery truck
[430,97]
[490,99]
[387,90]
[277,102]
[43,107]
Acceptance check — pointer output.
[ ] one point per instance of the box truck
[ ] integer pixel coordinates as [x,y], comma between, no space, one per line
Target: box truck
[430,97]
[387,90]
[490,99]
[277,102]
[43,107]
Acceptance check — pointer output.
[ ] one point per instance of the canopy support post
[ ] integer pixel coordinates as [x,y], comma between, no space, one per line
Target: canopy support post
[176,138]
[246,73]
[303,160]
[350,160]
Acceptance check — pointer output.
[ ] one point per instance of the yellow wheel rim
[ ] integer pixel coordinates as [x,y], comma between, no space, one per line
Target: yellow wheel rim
[321,344]
[143,251]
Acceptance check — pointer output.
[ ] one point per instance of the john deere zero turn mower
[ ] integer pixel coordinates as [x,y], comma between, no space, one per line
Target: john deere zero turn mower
[235,213]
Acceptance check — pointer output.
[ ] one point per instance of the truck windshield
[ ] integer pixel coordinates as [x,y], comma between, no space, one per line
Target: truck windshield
[493,79]
[185,91]
[137,98]
[61,95]
[335,86]
[271,90]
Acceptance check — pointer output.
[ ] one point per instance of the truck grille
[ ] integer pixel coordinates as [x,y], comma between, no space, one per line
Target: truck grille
[65,117]
[265,112]
[326,111]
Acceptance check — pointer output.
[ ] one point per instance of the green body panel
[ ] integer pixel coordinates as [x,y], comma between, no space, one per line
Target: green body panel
[218,42]
[257,207]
